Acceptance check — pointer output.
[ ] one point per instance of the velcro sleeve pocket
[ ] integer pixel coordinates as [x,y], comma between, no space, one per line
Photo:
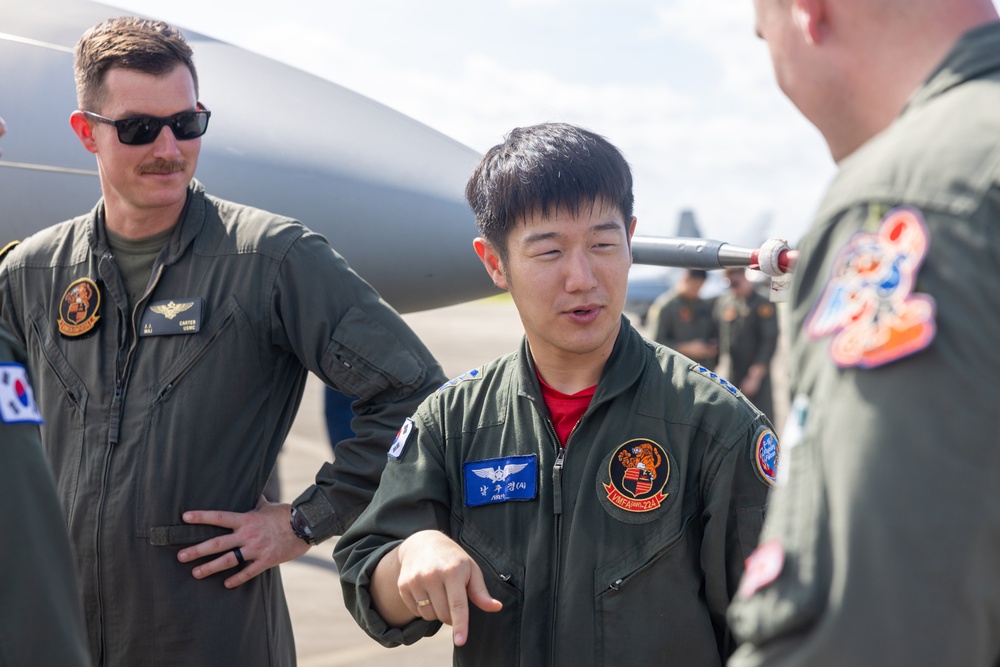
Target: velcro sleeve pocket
[365,357]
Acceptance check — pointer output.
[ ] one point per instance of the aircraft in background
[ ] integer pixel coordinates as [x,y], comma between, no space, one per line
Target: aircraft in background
[645,282]
[384,189]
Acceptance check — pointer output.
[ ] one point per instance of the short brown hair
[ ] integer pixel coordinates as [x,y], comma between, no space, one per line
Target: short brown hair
[129,42]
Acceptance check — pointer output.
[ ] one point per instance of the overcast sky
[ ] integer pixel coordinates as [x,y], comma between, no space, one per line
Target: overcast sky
[683,87]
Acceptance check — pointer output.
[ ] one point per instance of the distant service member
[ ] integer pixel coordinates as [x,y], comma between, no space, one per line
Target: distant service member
[682,320]
[748,335]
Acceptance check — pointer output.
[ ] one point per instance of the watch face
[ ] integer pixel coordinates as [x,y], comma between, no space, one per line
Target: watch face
[300,527]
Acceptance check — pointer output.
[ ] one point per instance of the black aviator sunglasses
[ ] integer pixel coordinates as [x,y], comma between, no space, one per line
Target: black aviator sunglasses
[142,130]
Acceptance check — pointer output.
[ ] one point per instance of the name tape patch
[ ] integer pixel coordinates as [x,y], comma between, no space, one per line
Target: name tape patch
[500,480]
[172,317]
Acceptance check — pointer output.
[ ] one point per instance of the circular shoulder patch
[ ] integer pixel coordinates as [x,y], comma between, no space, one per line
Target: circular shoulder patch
[766,456]
[78,308]
[635,480]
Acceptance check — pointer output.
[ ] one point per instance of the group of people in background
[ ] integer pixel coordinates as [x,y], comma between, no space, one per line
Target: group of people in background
[739,326]
[592,497]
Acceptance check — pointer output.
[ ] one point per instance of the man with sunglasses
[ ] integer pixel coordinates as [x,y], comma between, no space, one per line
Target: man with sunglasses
[171,334]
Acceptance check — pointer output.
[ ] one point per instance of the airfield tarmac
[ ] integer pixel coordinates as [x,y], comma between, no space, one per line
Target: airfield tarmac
[461,337]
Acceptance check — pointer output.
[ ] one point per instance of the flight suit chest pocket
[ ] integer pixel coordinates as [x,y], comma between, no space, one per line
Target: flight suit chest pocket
[62,399]
[227,330]
[496,633]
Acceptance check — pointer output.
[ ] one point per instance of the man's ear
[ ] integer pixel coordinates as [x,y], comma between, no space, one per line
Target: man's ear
[491,260]
[81,126]
[630,230]
[810,18]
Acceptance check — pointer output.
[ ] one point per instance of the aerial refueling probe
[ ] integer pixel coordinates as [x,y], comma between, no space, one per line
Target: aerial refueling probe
[773,258]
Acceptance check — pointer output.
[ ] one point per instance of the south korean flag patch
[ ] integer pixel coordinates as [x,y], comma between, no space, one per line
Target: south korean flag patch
[17,400]
[401,437]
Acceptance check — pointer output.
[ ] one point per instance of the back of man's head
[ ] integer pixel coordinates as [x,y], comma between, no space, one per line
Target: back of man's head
[543,168]
[144,45]
[850,66]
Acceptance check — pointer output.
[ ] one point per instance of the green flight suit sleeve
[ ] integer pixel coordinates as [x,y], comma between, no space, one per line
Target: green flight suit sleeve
[41,613]
[341,330]
[414,496]
[888,521]
[735,499]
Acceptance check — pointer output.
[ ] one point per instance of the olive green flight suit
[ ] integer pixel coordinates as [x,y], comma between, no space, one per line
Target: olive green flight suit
[748,333]
[41,617]
[183,402]
[676,319]
[883,545]
[624,547]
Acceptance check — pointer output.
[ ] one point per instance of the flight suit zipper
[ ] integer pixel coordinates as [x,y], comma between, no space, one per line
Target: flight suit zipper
[114,435]
[557,510]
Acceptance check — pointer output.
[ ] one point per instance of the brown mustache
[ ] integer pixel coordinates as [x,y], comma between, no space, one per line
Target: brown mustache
[162,166]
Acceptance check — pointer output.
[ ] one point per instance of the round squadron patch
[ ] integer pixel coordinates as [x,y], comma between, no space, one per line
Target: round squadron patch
[766,456]
[637,475]
[78,309]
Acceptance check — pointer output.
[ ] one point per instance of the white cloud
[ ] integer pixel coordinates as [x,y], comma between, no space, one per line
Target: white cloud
[688,94]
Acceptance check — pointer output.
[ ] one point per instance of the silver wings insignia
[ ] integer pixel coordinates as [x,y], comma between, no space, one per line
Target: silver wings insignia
[500,474]
[170,309]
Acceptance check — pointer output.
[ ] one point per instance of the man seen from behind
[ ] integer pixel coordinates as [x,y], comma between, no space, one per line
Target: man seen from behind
[882,542]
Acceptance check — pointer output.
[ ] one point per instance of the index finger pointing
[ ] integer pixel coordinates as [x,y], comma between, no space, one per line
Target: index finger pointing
[458,607]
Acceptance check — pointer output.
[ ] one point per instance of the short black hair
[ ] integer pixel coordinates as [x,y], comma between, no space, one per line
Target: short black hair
[542,168]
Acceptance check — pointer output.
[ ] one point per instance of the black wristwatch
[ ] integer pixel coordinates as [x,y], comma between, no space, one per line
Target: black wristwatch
[301,528]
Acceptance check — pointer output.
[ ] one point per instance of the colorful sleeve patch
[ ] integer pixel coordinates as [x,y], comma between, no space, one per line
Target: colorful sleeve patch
[868,305]
[470,375]
[17,400]
[401,437]
[766,455]
[500,480]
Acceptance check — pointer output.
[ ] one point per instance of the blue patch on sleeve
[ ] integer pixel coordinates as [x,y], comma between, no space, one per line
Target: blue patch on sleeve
[718,378]
[500,480]
[470,375]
